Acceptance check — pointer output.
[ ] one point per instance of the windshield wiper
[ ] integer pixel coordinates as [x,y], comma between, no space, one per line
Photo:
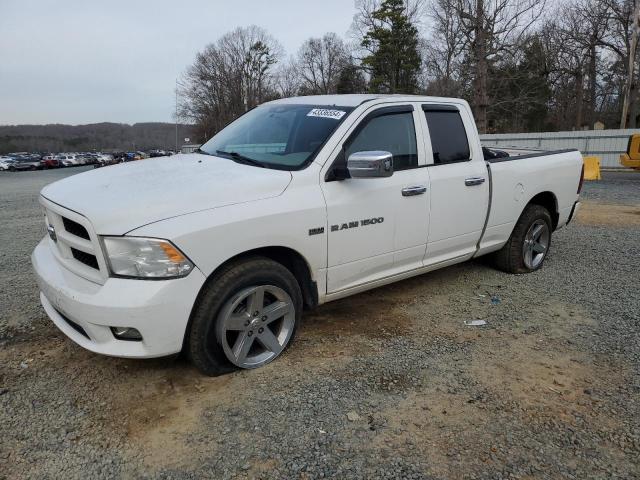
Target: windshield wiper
[199,150]
[238,157]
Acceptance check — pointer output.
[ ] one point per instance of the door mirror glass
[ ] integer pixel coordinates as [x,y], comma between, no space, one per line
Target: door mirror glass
[370,164]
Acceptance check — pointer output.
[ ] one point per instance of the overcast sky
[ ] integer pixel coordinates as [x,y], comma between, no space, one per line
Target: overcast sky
[85,61]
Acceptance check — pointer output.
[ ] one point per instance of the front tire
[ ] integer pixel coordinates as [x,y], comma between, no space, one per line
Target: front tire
[529,244]
[245,316]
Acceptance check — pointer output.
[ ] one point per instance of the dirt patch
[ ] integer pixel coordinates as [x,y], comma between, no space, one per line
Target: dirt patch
[534,367]
[162,413]
[153,404]
[346,328]
[609,215]
[532,377]
[374,314]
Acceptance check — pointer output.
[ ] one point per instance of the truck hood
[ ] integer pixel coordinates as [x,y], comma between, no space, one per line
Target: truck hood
[120,198]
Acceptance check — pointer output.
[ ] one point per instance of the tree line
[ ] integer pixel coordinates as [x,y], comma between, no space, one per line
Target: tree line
[93,137]
[523,65]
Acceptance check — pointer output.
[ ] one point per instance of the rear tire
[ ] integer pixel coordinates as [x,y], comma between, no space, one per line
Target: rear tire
[529,244]
[245,317]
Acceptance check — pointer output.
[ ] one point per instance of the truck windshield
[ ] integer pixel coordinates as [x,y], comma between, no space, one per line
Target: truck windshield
[284,137]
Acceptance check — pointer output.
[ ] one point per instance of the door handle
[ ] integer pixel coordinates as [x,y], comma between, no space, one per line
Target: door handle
[414,190]
[471,181]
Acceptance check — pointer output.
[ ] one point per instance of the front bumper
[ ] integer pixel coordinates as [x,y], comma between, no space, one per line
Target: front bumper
[159,309]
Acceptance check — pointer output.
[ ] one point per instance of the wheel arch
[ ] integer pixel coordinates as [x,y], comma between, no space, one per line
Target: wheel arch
[286,256]
[291,259]
[549,201]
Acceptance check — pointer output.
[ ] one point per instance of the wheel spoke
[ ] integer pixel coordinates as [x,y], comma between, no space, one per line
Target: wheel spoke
[242,346]
[256,301]
[528,256]
[276,310]
[270,341]
[539,248]
[237,321]
[537,231]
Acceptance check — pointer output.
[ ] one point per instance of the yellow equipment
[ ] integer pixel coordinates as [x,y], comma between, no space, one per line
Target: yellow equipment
[631,159]
[591,168]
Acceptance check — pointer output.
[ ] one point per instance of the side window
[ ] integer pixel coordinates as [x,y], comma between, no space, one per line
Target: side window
[393,132]
[448,136]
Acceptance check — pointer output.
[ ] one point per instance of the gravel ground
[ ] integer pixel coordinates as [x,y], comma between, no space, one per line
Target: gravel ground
[386,384]
[620,187]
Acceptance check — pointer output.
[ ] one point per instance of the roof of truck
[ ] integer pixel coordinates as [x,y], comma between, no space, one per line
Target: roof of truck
[353,100]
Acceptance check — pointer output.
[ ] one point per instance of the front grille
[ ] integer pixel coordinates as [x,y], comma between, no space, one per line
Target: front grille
[74,228]
[86,258]
[74,325]
[75,243]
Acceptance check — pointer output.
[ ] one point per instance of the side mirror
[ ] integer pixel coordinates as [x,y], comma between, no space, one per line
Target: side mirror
[372,164]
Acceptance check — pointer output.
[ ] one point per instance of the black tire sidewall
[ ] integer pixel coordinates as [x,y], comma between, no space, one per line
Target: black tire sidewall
[205,350]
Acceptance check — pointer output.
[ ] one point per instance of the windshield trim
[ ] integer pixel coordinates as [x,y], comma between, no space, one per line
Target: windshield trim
[310,158]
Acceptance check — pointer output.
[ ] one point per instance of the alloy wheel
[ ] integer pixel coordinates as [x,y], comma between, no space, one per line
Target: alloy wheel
[536,244]
[255,325]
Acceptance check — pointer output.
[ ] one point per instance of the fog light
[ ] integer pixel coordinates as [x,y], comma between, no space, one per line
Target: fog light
[126,333]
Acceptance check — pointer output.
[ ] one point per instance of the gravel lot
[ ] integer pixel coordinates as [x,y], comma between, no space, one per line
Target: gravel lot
[386,384]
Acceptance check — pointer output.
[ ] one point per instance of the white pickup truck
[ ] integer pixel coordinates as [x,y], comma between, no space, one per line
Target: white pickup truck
[298,202]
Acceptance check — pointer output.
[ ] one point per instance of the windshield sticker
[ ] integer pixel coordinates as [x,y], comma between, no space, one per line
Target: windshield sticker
[325,113]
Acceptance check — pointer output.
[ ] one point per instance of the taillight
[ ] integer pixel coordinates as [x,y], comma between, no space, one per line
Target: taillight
[581,179]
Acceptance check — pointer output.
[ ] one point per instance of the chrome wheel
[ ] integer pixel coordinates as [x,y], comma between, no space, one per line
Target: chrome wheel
[255,325]
[536,244]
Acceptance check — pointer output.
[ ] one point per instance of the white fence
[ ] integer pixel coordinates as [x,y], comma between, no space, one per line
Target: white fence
[606,144]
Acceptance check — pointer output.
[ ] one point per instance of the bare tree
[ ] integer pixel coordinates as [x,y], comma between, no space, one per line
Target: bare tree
[621,40]
[252,52]
[490,29]
[443,51]
[320,61]
[287,78]
[576,30]
[630,68]
[594,46]
[228,77]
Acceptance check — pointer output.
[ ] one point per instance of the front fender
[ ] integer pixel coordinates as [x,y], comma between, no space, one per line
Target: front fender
[212,237]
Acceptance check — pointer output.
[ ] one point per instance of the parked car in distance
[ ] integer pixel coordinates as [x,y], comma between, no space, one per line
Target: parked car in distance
[104,159]
[49,161]
[158,153]
[84,159]
[5,162]
[67,160]
[25,163]
[217,252]
[19,155]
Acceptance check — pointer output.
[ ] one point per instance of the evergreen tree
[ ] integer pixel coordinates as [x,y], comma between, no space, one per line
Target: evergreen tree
[394,61]
[519,90]
[351,79]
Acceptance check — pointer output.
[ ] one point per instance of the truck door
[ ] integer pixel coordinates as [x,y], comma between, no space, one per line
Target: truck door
[377,226]
[459,183]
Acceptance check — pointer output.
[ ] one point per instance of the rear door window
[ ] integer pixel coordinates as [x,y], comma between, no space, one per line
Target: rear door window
[449,140]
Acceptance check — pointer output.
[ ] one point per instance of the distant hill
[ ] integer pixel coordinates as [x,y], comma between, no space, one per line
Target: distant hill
[95,136]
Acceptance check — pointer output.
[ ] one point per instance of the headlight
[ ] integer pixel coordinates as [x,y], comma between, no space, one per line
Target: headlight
[137,257]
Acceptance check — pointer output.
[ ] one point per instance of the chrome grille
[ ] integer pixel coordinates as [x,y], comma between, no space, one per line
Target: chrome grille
[74,243]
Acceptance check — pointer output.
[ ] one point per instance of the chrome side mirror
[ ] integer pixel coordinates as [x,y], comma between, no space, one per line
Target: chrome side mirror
[372,164]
